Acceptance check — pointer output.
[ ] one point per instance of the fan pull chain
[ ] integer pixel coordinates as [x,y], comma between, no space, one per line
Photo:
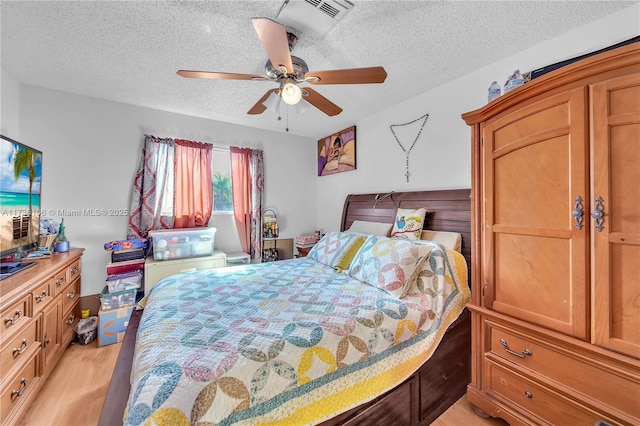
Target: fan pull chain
[407,152]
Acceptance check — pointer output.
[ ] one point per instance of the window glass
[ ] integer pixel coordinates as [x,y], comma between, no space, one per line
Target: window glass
[221,174]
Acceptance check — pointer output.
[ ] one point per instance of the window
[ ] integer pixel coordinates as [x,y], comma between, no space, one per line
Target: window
[221,176]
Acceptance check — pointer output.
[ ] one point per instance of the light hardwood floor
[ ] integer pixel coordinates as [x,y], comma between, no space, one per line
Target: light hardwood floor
[74,393]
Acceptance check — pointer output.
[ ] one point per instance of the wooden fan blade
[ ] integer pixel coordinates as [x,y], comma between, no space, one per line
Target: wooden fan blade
[348,76]
[221,75]
[259,107]
[320,102]
[273,37]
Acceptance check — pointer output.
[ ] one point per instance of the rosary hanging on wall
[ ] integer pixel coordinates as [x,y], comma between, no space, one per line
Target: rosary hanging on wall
[407,152]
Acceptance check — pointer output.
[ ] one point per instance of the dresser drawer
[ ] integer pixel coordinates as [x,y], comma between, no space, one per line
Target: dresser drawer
[613,387]
[18,348]
[69,321]
[18,388]
[74,270]
[14,316]
[70,295]
[60,280]
[43,295]
[536,399]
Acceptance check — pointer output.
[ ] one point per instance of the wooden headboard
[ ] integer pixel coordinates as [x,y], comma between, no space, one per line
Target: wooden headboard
[447,210]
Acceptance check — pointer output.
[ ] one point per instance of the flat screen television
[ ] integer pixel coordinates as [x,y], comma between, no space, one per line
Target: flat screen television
[20,191]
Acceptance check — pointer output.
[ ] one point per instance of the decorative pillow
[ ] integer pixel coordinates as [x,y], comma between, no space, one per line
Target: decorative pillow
[451,240]
[390,264]
[370,228]
[337,249]
[409,223]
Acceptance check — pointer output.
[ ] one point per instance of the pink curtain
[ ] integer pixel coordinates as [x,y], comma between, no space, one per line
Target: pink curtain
[247,185]
[152,195]
[193,196]
[172,187]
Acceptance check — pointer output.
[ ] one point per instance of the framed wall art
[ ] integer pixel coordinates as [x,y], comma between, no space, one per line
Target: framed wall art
[337,152]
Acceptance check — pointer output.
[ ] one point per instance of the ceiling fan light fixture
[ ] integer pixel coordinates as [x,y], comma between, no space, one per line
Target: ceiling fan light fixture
[291,94]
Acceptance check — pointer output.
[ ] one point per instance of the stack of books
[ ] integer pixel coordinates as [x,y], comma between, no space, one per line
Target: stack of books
[306,241]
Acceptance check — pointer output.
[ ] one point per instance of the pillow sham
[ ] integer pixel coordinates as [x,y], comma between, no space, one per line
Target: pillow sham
[409,223]
[390,264]
[370,228]
[451,240]
[337,249]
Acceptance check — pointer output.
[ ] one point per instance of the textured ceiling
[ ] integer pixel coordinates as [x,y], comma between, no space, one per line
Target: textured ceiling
[129,51]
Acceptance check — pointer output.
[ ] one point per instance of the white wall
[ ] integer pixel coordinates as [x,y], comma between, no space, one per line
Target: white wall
[441,158]
[9,106]
[91,149]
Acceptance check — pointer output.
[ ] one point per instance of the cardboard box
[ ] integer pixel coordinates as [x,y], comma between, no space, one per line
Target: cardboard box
[113,324]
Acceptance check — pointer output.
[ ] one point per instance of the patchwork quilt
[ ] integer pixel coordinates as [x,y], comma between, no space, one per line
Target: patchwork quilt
[287,342]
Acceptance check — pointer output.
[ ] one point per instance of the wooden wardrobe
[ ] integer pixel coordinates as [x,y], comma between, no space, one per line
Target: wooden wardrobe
[556,247]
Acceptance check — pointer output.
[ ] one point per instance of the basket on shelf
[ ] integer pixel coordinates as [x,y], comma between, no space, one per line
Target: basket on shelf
[47,240]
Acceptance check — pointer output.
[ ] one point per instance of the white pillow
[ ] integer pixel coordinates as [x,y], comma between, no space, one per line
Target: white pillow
[370,228]
[451,240]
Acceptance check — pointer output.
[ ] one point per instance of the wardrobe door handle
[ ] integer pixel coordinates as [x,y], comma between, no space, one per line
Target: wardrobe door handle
[598,213]
[578,213]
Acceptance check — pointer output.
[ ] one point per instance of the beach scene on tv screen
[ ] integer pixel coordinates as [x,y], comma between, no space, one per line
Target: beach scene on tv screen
[21,169]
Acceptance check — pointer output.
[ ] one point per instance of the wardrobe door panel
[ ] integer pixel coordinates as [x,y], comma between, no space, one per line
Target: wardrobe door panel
[535,161]
[615,172]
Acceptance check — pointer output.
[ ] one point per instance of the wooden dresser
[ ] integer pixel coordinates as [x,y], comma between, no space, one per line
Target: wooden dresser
[556,247]
[39,310]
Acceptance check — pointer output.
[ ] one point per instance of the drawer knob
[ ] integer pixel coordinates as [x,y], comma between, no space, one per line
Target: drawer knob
[20,391]
[74,270]
[526,352]
[71,319]
[15,319]
[19,351]
[71,295]
[60,281]
[528,394]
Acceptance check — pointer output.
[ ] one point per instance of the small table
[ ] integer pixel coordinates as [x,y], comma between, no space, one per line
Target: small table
[303,250]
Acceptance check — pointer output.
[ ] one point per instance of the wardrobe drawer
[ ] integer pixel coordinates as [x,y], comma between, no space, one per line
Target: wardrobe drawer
[536,399]
[18,388]
[14,316]
[15,351]
[616,388]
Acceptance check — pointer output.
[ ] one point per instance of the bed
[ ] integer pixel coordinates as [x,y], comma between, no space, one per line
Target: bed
[320,341]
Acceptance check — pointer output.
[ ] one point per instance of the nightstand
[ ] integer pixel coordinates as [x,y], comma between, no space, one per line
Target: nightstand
[155,270]
[303,251]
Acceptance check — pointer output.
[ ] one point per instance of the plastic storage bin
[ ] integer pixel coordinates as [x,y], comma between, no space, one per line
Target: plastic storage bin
[118,299]
[235,259]
[170,244]
[124,281]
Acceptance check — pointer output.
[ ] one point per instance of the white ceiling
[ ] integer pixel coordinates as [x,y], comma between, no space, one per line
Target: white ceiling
[129,51]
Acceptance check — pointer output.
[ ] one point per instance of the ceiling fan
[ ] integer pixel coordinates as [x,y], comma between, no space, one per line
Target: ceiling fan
[289,71]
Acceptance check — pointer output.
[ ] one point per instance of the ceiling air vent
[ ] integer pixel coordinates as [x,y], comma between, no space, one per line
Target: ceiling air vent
[314,17]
